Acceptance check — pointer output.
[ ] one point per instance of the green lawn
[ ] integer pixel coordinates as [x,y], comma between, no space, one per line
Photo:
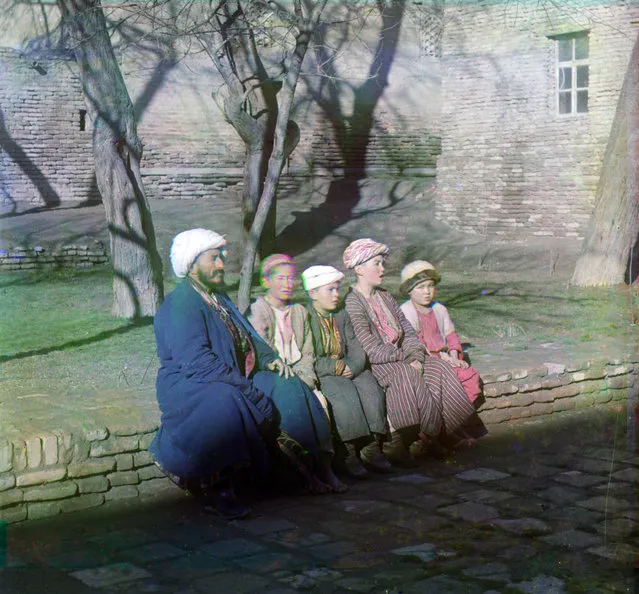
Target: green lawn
[57,334]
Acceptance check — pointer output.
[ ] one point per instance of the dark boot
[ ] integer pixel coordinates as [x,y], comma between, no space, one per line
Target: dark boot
[397,453]
[222,501]
[351,464]
[373,459]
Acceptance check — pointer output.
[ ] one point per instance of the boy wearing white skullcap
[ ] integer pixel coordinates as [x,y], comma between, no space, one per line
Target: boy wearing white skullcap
[357,402]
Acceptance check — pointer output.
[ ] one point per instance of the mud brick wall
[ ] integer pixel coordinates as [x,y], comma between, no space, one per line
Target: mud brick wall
[189,148]
[394,148]
[555,388]
[69,256]
[45,157]
[219,182]
[62,472]
[510,164]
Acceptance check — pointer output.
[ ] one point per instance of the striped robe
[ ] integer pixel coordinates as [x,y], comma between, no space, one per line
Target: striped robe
[436,402]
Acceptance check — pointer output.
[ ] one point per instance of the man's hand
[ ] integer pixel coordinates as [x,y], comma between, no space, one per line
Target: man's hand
[417,366]
[347,372]
[281,368]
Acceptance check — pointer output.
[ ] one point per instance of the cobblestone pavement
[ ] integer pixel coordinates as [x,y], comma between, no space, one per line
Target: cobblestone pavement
[546,506]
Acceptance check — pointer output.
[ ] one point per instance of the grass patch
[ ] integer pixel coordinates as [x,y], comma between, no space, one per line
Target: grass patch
[57,334]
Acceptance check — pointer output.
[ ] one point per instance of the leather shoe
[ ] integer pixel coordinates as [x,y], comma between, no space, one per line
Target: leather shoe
[397,453]
[352,466]
[373,459]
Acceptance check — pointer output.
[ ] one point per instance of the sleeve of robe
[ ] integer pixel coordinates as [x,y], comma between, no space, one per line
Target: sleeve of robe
[411,345]
[324,366]
[354,356]
[188,334]
[377,351]
[448,330]
[305,367]
[258,318]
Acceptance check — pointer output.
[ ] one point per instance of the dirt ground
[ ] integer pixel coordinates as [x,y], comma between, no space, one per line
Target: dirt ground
[397,213]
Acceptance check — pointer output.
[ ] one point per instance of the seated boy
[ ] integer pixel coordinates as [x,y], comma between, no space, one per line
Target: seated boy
[284,327]
[357,402]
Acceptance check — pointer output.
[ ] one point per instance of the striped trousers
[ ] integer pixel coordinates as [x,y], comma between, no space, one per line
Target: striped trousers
[435,402]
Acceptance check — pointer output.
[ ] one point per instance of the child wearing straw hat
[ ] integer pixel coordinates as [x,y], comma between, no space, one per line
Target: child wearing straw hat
[432,322]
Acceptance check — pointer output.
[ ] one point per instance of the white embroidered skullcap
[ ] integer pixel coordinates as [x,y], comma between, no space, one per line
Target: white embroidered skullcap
[188,245]
[318,276]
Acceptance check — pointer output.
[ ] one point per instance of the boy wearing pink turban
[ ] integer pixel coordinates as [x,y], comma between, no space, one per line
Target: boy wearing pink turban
[424,398]
[285,328]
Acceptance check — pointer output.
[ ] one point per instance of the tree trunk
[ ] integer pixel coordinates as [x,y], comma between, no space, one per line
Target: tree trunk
[278,154]
[614,225]
[117,150]
[253,176]
[255,171]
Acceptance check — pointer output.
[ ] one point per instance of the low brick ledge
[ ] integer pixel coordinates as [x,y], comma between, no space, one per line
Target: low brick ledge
[554,387]
[67,256]
[65,471]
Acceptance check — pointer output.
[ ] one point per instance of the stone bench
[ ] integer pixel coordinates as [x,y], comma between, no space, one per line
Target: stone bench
[62,462]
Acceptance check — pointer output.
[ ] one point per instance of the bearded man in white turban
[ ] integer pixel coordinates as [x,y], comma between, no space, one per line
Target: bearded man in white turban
[219,385]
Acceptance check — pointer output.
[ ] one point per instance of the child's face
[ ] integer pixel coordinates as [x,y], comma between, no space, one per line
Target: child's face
[325,298]
[424,293]
[281,282]
[372,271]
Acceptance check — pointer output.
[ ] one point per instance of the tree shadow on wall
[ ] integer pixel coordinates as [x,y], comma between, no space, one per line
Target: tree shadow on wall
[311,227]
[29,168]
[352,134]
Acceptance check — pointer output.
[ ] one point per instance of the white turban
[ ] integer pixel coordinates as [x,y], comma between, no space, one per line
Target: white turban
[188,245]
[318,276]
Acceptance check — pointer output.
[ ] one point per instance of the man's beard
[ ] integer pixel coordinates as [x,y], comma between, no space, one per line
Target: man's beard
[214,282]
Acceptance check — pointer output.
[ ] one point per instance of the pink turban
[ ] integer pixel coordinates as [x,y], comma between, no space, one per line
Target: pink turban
[362,250]
[273,261]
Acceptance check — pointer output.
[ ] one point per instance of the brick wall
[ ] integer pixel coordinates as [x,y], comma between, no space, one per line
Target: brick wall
[58,472]
[553,388]
[68,256]
[63,471]
[189,149]
[44,156]
[509,163]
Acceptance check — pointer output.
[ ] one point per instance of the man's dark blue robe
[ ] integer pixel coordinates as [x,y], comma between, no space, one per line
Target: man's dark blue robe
[211,412]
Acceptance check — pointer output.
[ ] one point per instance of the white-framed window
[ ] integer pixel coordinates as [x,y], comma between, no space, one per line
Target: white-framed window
[572,73]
